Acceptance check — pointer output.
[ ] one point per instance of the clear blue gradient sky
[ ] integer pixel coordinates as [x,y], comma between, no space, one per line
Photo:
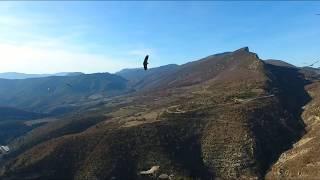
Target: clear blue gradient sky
[47,37]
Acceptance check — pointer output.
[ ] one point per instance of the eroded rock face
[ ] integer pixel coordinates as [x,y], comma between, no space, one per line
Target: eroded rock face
[303,160]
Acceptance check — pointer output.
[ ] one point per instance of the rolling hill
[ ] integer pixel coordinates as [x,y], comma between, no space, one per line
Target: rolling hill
[9,113]
[139,78]
[228,116]
[279,63]
[60,94]
[12,123]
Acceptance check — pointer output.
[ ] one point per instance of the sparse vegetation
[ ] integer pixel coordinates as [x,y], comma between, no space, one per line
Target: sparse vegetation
[186,122]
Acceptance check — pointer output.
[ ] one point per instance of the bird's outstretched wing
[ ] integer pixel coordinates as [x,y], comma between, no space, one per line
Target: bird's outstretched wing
[145,62]
[314,63]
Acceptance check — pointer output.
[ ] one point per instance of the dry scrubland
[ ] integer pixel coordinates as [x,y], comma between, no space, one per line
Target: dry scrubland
[229,116]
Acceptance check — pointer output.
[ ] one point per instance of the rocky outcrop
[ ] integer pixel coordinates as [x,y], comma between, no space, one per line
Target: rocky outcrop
[302,161]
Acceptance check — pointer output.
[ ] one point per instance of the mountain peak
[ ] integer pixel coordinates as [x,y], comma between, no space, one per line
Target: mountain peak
[244,49]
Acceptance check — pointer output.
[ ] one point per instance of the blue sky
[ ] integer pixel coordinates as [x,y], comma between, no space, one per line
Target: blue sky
[48,37]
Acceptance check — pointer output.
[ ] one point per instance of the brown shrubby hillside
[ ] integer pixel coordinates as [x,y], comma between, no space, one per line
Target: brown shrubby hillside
[228,116]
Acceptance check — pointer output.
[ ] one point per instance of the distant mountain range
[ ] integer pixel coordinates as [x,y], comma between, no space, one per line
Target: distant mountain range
[59,94]
[134,75]
[15,75]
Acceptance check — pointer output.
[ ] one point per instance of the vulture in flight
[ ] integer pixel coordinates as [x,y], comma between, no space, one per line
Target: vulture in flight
[145,62]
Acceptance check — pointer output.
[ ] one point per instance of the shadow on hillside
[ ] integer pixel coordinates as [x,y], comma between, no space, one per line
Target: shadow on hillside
[187,153]
[289,83]
[180,140]
[173,145]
